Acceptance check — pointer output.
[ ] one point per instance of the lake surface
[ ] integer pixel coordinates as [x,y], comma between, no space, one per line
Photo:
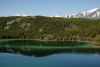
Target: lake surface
[28,53]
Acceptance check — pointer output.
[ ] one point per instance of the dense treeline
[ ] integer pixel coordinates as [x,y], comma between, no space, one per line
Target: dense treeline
[49,28]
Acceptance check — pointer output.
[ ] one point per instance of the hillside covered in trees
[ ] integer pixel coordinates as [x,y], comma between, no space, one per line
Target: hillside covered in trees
[49,28]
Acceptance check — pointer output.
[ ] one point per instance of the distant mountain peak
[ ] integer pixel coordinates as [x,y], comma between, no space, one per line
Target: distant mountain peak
[91,14]
[21,15]
[55,16]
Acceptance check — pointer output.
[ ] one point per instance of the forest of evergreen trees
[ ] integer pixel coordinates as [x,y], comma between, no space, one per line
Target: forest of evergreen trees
[49,28]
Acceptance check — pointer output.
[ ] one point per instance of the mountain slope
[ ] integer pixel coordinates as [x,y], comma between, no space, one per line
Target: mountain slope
[49,28]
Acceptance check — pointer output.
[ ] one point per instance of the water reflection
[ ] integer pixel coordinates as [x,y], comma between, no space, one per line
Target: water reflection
[40,48]
[46,52]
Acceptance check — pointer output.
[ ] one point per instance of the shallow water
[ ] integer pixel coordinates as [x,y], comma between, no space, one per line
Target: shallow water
[42,43]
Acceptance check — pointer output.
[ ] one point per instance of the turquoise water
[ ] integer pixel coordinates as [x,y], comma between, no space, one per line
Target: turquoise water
[29,53]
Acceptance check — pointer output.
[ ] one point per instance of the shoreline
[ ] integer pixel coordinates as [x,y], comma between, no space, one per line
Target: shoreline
[56,41]
[48,40]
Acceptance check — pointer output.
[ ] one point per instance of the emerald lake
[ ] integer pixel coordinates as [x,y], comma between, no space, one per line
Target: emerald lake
[32,53]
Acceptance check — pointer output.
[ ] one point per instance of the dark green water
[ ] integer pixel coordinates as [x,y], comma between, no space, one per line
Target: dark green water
[29,53]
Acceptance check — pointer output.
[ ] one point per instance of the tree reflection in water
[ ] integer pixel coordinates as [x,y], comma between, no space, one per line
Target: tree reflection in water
[40,48]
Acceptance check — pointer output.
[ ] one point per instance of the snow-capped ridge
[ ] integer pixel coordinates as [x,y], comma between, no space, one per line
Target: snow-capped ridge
[91,14]
[21,15]
[55,16]
[93,10]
